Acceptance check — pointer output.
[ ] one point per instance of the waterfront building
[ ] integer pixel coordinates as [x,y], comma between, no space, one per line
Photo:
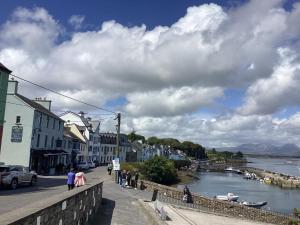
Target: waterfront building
[4,73]
[109,147]
[75,143]
[32,134]
[89,131]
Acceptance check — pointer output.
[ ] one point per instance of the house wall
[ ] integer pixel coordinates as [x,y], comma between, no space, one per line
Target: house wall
[17,153]
[3,89]
[51,131]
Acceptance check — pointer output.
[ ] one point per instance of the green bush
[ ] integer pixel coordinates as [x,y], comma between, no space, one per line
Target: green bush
[160,170]
[181,163]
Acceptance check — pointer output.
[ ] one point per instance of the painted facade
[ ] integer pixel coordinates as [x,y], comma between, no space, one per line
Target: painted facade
[4,73]
[32,134]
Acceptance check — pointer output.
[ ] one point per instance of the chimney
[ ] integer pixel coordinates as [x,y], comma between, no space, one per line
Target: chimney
[43,102]
[12,87]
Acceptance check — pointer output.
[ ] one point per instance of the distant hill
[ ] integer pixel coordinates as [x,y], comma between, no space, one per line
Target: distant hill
[265,149]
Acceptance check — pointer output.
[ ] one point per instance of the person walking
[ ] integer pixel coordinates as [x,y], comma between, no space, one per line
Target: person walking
[128,178]
[80,179]
[123,178]
[71,179]
[136,178]
[109,168]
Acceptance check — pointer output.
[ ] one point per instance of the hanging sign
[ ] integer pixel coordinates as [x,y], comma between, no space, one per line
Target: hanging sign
[16,134]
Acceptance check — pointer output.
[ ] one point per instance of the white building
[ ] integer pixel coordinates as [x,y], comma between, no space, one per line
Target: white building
[86,128]
[32,134]
[75,143]
[109,147]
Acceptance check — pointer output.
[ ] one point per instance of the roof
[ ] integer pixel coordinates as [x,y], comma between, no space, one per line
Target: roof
[95,124]
[38,107]
[83,119]
[2,67]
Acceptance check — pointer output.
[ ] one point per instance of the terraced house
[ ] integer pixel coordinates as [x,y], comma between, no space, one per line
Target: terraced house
[32,134]
[4,73]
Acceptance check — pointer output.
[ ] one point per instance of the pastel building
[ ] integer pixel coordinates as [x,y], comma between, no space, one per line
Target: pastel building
[32,134]
[4,73]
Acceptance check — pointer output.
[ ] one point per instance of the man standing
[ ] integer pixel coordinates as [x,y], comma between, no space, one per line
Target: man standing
[136,178]
[71,179]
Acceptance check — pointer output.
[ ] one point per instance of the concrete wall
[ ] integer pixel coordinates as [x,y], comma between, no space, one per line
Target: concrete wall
[222,207]
[16,153]
[76,207]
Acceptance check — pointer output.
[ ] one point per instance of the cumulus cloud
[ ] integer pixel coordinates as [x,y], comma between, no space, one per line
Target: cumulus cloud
[170,72]
[268,95]
[171,101]
[76,21]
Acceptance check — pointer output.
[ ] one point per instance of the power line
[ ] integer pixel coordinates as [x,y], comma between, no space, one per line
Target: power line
[58,93]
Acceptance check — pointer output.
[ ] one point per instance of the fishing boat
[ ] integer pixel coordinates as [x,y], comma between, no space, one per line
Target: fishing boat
[254,204]
[229,197]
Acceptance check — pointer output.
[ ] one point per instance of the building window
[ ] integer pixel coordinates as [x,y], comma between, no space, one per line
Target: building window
[53,124]
[38,141]
[47,121]
[46,140]
[59,124]
[52,142]
[40,119]
[18,119]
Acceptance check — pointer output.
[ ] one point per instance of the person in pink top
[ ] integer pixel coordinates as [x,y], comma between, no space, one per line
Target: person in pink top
[80,179]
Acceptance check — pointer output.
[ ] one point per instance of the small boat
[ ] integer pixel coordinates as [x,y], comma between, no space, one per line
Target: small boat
[254,204]
[229,197]
[229,169]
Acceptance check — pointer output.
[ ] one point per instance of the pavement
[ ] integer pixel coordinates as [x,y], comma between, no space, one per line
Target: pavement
[121,207]
[46,187]
[180,216]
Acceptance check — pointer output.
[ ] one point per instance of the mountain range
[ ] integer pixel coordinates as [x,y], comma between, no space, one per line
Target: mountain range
[265,149]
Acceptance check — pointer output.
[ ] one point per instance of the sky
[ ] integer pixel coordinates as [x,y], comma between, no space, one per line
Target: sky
[218,73]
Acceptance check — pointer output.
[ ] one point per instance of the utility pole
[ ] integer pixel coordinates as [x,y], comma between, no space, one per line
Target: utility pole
[118,118]
[118,134]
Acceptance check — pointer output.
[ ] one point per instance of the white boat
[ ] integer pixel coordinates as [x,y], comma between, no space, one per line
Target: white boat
[229,169]
[254,204]
[229,197]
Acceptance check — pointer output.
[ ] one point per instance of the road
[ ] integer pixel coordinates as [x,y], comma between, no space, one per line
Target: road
[46,187]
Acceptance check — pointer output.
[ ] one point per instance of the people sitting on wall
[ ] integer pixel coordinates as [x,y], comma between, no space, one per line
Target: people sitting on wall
[187,196]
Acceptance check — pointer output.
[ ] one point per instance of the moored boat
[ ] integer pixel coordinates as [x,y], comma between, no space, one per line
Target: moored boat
[229,197]
[254,204]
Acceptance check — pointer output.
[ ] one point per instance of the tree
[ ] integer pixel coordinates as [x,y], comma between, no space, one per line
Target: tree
[135,137]
[153,141]
[160,170]
[239,155]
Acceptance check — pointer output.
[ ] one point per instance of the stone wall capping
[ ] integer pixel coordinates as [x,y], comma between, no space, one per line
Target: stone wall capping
[32,211]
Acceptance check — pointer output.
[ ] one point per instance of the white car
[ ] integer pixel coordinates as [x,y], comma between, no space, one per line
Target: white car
[91,164]
[83,165]
[13,175]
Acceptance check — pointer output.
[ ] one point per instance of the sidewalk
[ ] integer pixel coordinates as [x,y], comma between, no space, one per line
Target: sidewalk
[120,206]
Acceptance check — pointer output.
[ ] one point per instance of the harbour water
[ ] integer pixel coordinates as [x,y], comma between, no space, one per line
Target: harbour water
[280,200]
[290,166]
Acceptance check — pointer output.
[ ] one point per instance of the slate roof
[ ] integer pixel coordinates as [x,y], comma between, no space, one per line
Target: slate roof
[2,67]
[38,107]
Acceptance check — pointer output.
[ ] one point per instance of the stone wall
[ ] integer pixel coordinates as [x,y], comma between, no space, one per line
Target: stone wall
[222,207]
[74,207]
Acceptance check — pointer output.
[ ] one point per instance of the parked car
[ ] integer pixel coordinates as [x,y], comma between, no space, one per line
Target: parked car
[83,165]
[91,164]
[14,175]
[96,163]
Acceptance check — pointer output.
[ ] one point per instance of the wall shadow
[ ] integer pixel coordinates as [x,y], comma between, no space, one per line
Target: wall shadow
[105,213]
